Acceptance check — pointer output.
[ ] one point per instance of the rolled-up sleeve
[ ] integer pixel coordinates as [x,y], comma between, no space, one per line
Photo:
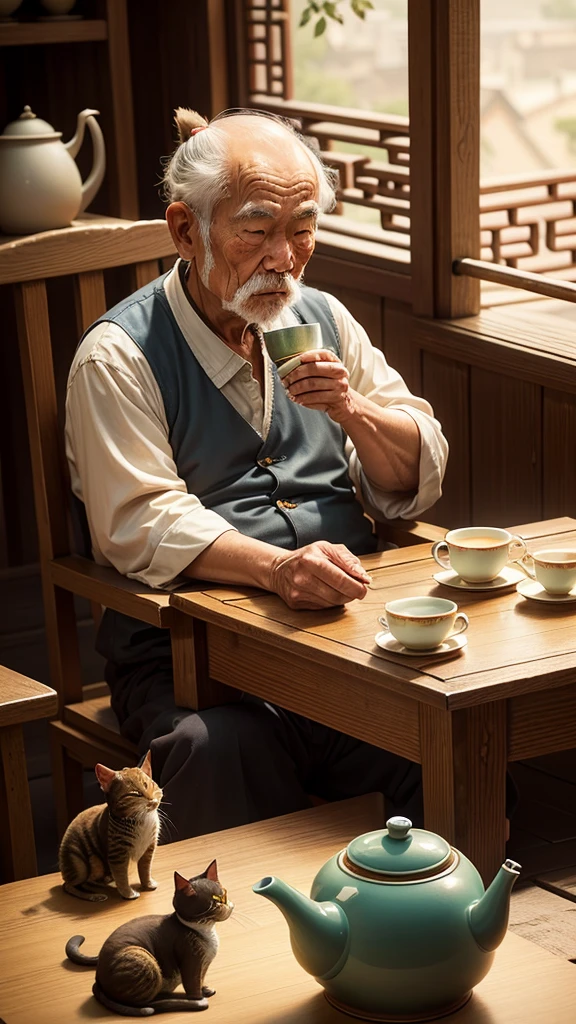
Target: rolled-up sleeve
[142,519]
[372,377]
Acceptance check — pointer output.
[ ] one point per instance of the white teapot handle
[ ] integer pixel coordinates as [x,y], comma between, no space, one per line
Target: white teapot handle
[95,178]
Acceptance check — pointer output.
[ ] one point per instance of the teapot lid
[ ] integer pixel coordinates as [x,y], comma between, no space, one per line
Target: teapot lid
[29,125]
[399,850]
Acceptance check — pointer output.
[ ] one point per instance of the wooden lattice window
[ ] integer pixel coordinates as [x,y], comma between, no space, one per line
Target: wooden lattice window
[269,59]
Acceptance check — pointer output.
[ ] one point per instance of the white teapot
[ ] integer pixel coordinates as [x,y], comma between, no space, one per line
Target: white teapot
[40,184]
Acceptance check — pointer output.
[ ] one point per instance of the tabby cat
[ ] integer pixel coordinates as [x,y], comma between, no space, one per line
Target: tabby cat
[144,960]
[100,842]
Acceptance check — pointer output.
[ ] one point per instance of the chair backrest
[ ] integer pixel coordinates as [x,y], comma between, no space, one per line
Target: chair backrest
[82,252]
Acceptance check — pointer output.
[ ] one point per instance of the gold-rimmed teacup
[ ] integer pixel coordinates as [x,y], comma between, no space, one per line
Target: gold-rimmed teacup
[555,570]
[422,623]
[478,553]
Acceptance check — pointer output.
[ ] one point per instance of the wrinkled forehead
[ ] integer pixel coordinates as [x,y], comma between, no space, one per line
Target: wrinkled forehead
[267,165]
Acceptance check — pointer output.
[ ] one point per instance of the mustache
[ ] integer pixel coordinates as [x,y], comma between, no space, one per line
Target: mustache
[269,282]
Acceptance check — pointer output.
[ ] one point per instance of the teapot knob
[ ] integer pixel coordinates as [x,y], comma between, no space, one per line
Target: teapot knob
[26,114]
[398,827]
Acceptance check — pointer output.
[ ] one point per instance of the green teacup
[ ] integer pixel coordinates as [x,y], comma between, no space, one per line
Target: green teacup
[285,345]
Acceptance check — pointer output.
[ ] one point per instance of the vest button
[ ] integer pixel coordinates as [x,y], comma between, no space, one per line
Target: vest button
[286,504]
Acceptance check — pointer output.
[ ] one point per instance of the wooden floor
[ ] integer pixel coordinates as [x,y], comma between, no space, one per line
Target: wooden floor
[543,841]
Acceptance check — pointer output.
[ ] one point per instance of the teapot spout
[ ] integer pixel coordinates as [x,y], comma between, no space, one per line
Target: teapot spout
[488,918]
[318,931]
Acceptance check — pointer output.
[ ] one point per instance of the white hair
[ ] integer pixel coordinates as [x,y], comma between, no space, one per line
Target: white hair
[198,175]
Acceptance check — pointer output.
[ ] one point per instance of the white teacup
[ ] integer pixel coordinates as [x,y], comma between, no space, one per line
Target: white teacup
[422,622]
[478,553]
[554,570]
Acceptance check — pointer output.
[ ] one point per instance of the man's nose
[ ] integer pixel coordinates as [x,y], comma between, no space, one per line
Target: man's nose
[279,257]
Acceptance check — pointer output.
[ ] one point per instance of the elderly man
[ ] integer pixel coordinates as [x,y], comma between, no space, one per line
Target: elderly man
[193,460]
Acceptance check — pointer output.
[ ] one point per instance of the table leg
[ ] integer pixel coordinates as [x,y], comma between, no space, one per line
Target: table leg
[463,756]
[17,834]
[193,687]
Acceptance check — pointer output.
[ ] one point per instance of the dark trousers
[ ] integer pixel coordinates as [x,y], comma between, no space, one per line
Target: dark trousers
[251,760]
[244,762]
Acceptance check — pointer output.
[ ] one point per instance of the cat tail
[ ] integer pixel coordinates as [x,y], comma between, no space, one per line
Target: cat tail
[127,1011]
[73,952]
[180,1004]
[167,1005]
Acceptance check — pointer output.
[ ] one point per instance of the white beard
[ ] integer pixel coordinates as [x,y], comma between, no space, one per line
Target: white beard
[260,310]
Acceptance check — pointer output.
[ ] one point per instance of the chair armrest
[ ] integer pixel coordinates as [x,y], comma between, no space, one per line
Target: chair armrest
[406,531]
[109,588]
[23,699]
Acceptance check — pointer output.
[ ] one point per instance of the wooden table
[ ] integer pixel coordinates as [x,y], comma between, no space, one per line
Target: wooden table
[257,980]
[509,694]
[21,700]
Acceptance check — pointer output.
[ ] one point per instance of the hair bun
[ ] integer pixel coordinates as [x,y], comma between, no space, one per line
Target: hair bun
[187,121]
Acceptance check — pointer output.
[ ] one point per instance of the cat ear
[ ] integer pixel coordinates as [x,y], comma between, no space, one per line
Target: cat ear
[105,776]
[183,885]
[212,872]
[146,765]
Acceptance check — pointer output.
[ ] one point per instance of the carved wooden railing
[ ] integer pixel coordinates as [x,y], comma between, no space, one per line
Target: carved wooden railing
[267,47]
[527,222]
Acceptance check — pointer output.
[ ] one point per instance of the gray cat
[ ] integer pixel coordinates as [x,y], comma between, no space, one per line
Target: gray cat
[144,960]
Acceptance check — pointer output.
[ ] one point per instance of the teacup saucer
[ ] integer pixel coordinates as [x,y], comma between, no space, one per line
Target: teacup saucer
[507,578]
[389,643]
[535,590]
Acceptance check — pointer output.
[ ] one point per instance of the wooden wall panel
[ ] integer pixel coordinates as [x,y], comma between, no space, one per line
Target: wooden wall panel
[446,385]
[399,349]
[505,450]
[559,454]
[171,47]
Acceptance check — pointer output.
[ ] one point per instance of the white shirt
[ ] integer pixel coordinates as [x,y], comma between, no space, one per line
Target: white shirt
[142,519]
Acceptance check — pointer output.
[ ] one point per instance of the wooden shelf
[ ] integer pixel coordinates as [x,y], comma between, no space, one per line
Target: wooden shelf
[30,33]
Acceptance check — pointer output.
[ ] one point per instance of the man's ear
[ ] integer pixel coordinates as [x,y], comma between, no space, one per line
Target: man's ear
[183,225]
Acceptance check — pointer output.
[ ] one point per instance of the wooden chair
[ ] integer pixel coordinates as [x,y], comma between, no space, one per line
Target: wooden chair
[21,700]
[86,730]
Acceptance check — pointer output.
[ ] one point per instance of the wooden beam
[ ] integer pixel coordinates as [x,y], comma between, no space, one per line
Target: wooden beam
[551,287]
[444,77]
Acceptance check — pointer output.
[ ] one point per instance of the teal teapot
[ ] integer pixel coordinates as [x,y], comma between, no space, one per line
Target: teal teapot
[398,926]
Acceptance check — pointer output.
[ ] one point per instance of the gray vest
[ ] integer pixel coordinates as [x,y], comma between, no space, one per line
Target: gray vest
[289,490]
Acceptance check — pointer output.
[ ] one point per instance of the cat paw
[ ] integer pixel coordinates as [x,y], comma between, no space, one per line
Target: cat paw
[149,885]
[129,894]
[208,991]
[198,1004]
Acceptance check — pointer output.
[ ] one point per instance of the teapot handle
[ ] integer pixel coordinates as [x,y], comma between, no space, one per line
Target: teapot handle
[94,179]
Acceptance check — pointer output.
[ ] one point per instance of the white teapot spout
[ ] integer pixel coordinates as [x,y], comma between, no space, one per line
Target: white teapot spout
[94,179]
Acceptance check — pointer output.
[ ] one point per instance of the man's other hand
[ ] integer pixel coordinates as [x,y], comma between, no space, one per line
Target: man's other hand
[320,575]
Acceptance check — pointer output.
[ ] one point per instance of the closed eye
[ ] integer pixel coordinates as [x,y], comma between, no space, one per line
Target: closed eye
[134,793]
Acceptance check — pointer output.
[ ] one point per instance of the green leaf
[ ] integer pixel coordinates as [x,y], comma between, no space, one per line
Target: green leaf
[306,15]
[320,27]
[330,8]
